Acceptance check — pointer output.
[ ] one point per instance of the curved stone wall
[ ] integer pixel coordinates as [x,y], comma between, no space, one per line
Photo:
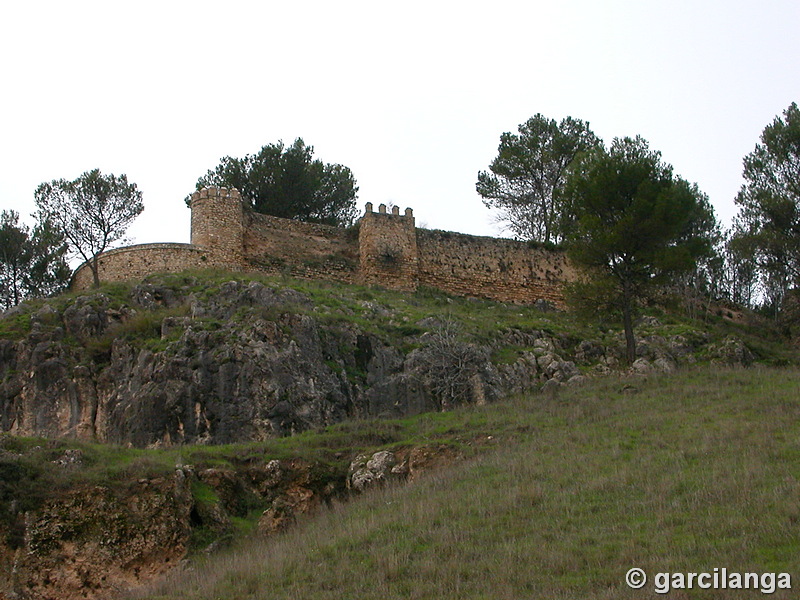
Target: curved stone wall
[137,262]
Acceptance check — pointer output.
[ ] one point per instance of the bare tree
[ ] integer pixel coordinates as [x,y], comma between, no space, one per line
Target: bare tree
[448,365]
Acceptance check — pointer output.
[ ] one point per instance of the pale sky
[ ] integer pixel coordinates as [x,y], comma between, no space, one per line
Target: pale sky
[411,96]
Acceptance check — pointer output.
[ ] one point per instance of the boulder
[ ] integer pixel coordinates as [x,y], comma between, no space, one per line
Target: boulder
[732,352]
[368,471]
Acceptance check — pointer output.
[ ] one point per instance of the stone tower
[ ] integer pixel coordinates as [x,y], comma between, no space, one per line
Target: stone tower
[218,225]
[387,248]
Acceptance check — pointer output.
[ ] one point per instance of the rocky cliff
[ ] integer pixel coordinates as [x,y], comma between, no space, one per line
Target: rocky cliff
[191,361]
[71,529]
[162,365]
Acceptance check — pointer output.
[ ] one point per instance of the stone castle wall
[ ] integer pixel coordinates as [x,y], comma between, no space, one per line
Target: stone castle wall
[137,262]
[485,267]
[385,248]
[306,250]
[218,226]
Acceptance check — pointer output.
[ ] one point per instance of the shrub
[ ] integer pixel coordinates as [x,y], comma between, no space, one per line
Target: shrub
[448,365]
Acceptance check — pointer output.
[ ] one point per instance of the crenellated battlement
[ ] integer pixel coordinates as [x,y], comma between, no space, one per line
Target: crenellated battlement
[382,210]
[385,248]
[216,193]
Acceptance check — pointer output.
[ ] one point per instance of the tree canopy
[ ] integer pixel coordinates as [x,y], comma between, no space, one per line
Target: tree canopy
[91,212]
[288,182]
[525,179]
[769,204]
[31,263]
[636,224]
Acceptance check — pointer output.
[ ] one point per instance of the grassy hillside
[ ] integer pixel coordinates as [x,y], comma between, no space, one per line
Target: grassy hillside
[562,492]
[399,317]
[562,496]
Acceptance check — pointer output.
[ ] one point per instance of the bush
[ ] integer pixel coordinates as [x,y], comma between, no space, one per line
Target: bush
[448,365]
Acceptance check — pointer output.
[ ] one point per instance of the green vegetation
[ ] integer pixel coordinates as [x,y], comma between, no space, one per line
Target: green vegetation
[560,493]
[525,179]
[766,232]
[143,329]
[15,326]
[90,213]
[636,225]
[398,318]
[289,182]
[396,315]
[562,497]
[32,263]
[30,473]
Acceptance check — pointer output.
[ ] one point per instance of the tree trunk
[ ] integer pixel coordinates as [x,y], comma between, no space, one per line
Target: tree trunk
[627,320]
[95,272]
[15,275]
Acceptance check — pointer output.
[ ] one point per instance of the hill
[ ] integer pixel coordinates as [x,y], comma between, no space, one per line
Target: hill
[675,474]
[170,417]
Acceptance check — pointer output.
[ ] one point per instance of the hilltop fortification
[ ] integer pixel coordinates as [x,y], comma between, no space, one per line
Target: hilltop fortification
[384,248]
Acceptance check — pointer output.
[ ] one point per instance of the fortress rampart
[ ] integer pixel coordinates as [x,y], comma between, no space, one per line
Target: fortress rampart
[385,248]
[137,262]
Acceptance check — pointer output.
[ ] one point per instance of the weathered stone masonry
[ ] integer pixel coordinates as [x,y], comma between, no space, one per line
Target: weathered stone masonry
[384,248]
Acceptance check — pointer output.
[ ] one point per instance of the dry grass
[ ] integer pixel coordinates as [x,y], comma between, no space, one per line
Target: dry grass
[688,473]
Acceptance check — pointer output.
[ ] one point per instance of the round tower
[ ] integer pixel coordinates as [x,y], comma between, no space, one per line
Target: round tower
[218,225]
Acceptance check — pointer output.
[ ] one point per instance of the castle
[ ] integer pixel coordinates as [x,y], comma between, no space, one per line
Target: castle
[384,248]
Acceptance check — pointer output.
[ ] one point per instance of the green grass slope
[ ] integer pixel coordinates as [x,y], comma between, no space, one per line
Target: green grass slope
[399,317]
[687,473]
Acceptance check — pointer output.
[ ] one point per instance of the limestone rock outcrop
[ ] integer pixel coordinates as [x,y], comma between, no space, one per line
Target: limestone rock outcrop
[187,363]
[94,541]
[245,361]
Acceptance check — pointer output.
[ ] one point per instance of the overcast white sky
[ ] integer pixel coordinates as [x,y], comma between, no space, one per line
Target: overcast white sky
[412,96]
